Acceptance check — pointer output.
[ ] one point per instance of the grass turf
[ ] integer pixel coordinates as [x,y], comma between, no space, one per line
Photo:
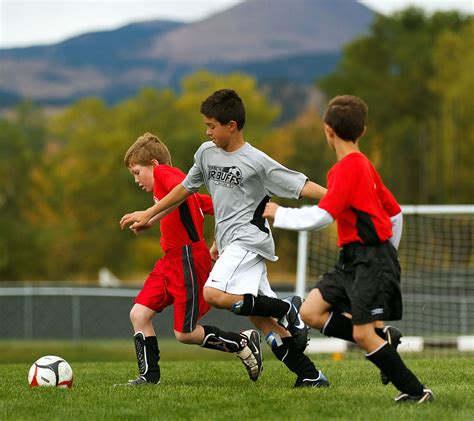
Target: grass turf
[197,386]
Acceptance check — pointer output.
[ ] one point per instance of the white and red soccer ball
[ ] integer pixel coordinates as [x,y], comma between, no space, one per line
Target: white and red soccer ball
[51,371]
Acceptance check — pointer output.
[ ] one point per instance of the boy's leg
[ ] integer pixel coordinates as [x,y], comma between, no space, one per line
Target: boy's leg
[245,345]
[247,304]
[315,311]
[146,346]
[235,284]
[190,306]
[386,358]
[393,336]
[283,347]
[286,311]
[319,314]
[238,282]
[151,299]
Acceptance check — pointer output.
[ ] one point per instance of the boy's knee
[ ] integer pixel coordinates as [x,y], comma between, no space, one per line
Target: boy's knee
[208,295]
[360,336]
[134,315]
[310,317]
[184,338]
[214,297]
[138,316]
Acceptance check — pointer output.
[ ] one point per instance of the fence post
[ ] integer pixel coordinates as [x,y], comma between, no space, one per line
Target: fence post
[463,316]
[76,315]
[28,312]
[300,288]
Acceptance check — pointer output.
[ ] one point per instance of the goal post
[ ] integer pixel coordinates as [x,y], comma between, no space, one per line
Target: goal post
[436,255]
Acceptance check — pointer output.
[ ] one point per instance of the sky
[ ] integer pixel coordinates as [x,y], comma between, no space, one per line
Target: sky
[38,22]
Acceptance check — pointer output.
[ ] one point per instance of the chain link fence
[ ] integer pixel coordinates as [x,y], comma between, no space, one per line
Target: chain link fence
[84,313]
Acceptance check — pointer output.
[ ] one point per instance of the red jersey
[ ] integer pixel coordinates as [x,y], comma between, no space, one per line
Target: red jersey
[358,200]
[184,225]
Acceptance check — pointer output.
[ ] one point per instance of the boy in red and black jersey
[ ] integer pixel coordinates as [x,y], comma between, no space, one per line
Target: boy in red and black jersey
[179,276]
[366,280]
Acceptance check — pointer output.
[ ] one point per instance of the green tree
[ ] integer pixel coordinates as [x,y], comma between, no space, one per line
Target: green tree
[391,69]
[67,187]
[453,82]
[22,139]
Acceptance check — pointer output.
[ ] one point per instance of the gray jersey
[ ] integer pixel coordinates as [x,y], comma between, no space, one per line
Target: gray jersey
[240,184]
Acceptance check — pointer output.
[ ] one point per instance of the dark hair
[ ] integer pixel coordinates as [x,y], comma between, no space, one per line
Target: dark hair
[224,105]
[346,115]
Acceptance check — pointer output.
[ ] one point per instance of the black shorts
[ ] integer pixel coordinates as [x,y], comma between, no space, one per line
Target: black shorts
[365,283]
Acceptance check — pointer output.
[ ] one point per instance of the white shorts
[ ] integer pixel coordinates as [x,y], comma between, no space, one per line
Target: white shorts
[239,271]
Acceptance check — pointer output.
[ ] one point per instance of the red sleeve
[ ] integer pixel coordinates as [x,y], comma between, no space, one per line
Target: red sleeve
[389,202]
[339,195]
[205,203]
[387,199]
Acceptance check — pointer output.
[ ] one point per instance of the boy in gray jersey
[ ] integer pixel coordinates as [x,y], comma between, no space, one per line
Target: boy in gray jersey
[241,179]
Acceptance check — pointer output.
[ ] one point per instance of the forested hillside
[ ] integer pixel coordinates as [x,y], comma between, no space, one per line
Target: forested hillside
[64,186]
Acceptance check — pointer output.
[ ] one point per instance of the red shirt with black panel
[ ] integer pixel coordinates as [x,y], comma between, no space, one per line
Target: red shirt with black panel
[185,224]
[178,278]
[359,201]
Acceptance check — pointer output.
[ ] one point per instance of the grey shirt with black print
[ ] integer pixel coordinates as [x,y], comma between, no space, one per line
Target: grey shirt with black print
[240,184]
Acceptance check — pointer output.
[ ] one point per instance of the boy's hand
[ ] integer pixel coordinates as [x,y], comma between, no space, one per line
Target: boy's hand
[214,252]
[270,210]
[145,227]
[136,220]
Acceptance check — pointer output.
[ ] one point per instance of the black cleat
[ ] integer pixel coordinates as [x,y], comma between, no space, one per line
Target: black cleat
[426,396]
[292,322]
[320,381]
[140,381]
[393,337]
[251,355]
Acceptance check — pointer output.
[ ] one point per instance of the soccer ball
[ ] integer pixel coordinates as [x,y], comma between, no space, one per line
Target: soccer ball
[50,371]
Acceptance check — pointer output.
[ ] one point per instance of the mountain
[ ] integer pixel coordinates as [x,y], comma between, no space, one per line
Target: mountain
[264,30]
[296,40]
[90,64]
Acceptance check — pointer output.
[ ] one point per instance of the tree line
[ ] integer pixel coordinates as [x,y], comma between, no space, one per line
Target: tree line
[64,186]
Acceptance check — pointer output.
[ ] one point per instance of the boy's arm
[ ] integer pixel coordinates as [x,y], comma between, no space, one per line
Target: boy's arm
[138,219]
[156,219]
[298,219]
[214,252]
[391,206]
[312,190]
[397,227]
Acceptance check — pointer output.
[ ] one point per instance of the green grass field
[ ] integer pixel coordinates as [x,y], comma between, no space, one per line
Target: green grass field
[201,384]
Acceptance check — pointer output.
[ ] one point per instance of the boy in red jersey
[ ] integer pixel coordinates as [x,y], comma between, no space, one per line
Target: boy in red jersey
[178,278]
[366,280]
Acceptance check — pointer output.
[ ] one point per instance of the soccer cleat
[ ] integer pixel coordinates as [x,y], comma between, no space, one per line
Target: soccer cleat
[251,354]
[426,396]
[139,381]
[393,337]
[320,381]
[292,322]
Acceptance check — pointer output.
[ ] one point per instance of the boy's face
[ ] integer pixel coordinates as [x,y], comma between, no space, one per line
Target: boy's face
[218,133]
[143,175]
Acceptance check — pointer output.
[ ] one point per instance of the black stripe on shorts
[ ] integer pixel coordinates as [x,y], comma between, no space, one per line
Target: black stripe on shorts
[191,285]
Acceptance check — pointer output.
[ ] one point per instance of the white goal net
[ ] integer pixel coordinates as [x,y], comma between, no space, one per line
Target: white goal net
[437,259]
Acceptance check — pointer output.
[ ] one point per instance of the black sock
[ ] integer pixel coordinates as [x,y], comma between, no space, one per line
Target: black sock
[338,326]
[148,355]
[295,360]
[215,338]
[261,305]
[389,362]
[379,331]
